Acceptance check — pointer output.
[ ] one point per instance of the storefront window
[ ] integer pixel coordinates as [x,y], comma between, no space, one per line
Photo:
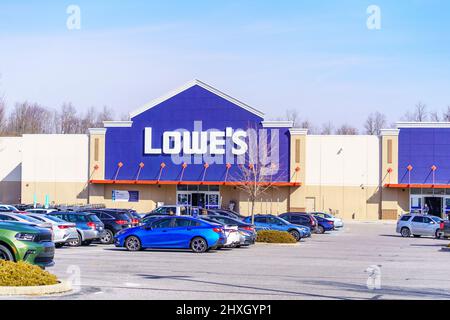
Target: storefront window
[416,191]
[182,188]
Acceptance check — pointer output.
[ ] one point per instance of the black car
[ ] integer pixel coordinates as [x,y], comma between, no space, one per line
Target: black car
[114,221]
[228,213]
[303,219]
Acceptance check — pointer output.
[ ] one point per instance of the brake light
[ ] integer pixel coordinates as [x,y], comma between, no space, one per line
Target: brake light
[441,226]
[218,230]
[121,222]
[135,221]
[248,228]
[91,225]
[332,223]
[63,227]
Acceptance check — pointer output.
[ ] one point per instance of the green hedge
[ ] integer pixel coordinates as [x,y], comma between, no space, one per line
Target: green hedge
[271,236]
[22,274]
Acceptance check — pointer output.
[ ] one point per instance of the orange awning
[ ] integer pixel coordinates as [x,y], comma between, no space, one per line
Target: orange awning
[205,183]
[417,186]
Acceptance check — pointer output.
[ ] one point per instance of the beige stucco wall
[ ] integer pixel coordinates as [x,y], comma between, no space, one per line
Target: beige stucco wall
[55,165]
[359,203]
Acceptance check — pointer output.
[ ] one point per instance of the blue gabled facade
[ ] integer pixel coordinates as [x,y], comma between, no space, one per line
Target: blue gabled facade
[194,107]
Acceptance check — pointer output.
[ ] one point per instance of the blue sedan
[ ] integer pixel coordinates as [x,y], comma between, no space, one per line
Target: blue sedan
[271,222]
[172,233]
[324,224]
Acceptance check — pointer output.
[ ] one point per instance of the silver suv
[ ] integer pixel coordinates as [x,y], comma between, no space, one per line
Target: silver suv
[419,225]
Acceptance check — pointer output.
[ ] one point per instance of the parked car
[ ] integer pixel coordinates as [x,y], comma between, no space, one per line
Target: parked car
[231,232]
[445,228]
[134,216]
[418,225]
[246,230]
[63,231]
[19,217]
[172,233]
[270,222]
[114,221]
[324,224]
[23,242]
[89,227]
[338,223]
[176,210]
[8,208]
[302,219]
[40,210]
[228,213]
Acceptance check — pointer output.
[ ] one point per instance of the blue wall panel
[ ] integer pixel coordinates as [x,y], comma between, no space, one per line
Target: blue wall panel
[422,148]
[126,145]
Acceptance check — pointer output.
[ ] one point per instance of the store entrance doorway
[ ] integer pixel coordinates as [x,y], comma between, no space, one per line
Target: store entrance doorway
[435,205]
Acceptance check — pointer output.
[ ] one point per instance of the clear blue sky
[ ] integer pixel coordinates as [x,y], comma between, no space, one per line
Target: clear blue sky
[315,56]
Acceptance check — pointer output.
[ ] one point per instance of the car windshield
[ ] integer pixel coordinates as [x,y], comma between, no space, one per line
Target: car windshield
[56,219]
[27,218]
[94,218]
[436,219]
[281,220]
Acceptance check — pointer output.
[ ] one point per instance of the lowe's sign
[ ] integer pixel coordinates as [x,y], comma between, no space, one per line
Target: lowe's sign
[198,142]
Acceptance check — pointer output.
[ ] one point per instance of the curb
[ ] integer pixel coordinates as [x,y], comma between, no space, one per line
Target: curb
[61,287]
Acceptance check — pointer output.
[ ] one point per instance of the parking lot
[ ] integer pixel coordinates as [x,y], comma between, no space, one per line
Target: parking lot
[330,266]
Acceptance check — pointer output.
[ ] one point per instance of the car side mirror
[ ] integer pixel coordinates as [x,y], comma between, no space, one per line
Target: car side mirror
[148,227]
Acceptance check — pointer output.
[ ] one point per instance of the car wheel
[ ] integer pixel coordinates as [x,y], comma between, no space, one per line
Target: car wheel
[5,254]
[405,233]
[108,237]
[199,245]
[438,234]
[133,244]
[59,245]
[321,230]
[295,234]
[76,242]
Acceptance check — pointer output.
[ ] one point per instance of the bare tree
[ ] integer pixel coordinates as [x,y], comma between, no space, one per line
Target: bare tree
[29,118]
[374,123]
[258,172]
[347,130]
[446,115]
[292,115]
[419,114]
[434,116]
[3,123]
[89,120]
[67,120]
[105,115]
[327,128]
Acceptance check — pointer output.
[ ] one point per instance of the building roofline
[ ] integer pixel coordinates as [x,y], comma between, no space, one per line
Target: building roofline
[117,124]
[188,86]
[401,125]
[277,124]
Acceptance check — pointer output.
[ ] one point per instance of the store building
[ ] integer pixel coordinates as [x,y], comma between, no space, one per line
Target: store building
[194,147]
